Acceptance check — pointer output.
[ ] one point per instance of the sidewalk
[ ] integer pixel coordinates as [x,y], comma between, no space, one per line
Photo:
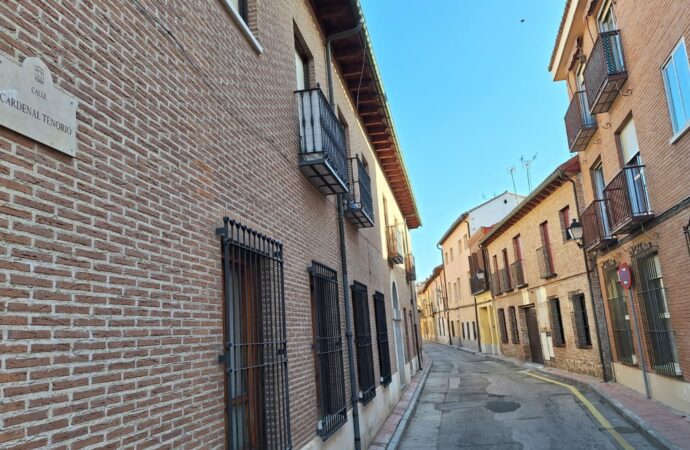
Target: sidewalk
[666,427]
[392,429]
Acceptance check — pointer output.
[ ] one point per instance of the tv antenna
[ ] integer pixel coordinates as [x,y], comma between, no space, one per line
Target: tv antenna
[511,171]
[527,164]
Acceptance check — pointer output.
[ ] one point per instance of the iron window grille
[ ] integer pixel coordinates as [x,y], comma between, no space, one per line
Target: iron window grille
[620,318]
[328,347]
[557,333]
[655,314]
[359,207]
[255,351]
[686,231]
[365,359]
[515,332]
[382,339]
[583,337]
[502,325]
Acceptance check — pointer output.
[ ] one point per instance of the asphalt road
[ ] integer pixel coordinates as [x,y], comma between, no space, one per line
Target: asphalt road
[472,401]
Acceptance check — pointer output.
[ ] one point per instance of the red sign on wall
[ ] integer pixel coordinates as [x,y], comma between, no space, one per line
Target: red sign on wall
[625,276]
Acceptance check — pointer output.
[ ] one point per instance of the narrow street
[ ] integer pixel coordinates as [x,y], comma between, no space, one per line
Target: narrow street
[471,401]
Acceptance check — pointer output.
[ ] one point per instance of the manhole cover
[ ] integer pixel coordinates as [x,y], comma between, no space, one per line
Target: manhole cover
[501,406]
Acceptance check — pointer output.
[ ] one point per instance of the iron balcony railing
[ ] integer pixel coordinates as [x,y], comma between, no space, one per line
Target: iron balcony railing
[580,125]
[506,282]
[518,274]
[605,72]
[545,261]
[477,284]
[495,284]
[595,226]
[627,202]
[410,269]
[323,146]
[359,208]
[395,247]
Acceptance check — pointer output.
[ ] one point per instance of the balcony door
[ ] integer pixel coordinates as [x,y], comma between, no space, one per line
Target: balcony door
[599,185]
[607,23]
[634,170]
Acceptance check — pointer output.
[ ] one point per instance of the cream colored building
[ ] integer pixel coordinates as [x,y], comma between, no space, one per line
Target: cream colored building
[432,299]
[455,245]
[488,339]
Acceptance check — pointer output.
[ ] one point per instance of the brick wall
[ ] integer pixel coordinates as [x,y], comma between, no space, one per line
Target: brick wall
[110,289]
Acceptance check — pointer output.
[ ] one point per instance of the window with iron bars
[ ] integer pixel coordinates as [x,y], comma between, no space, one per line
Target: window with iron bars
[656,317]
[556,322]
[255,350]
[365,358]
[502,325]
[620,318]
[515,333]
[583,337]
[382,339]
[328,350]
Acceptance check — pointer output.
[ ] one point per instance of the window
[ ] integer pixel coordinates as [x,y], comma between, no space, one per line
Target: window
[457,283]
[408,349]
[506,282]
[517,248]
[474,330]
[502,325]
[328,349]
[255,355]
[583,337]
[382,339]
[620,319]
[301,71]
[656,318]
[459,246]
[465,241]
[556,322]
[451,254]
[240,7]
[514,332]
[545,259]
[464,336]
[365,360]
[447,259]
[452,329]
[564,217]
[634,172]
[677,83]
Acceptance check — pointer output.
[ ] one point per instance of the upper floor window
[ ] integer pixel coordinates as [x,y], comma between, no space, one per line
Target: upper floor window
[451,254]
[607,17]
[676,74]
[240,7]
[564,216]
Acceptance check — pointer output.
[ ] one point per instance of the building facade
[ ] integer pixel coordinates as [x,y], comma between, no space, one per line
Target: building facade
[433,301]
[488,333]
[455,247]
[544,307]
[177,277]
[627,73]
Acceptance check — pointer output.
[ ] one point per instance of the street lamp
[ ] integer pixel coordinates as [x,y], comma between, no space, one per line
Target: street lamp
[575,232]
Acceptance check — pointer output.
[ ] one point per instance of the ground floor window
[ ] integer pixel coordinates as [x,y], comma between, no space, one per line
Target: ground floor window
[365,358]
[255,353]
[515,334]
[382,339]
[583,337]
[620,318]
[557,333]
[502,325]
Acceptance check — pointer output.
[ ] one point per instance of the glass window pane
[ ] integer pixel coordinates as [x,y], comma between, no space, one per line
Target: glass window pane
[680,59]
[629,145]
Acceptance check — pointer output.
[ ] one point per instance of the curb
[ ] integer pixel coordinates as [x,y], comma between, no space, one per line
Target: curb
[404,422]
[636,421]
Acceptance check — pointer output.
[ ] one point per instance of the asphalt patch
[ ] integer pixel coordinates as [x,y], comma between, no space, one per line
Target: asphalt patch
[502,406]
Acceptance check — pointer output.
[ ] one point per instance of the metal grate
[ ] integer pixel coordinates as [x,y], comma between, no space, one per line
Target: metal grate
[514,331]
[328,346]
[518,274]
[580,125]
[495,284]
[583,337]
[502,325]
[365,359]
[545,262]
[620,318]
[556,322]
[359,208]
[595,225]
[255,356]
[656,317]
[382,338]
[605,71]
[395,244]
[627,199]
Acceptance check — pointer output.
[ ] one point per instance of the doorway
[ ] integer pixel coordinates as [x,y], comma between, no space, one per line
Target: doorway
[397,330]
[533,335]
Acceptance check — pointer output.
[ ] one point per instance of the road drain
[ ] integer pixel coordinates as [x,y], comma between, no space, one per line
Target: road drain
[501,406]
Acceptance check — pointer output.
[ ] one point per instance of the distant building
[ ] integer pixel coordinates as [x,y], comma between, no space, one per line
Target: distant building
[432,300]
[625,65]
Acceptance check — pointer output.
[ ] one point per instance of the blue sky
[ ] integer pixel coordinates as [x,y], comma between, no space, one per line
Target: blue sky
[470,94]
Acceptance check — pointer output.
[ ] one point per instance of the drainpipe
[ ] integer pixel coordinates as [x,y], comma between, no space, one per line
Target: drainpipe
[343,250]
[445,297]
[476,311]
[484,251]
[605,377]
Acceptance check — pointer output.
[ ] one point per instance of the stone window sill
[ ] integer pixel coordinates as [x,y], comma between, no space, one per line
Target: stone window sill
[676,137]
[246,32]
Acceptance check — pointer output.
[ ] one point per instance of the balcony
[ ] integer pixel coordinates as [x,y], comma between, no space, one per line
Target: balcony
[506,282]
[545,262]
[605,72]
[395,247]
[627,202]
[495,285]
[595,226]
[359,209]
[580,125]
[322,143]
[410,269]
[478,284]
[518,274]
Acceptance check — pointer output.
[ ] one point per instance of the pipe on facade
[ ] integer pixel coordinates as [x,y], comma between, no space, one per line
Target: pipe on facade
[597,326]
[343,248]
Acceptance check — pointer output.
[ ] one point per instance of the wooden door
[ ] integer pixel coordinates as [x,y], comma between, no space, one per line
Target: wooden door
[533,335]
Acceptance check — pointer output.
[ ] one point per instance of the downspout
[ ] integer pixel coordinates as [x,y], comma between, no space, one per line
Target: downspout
[445,296]
[602,360]
[476,311]
[343,250]
[484,252]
